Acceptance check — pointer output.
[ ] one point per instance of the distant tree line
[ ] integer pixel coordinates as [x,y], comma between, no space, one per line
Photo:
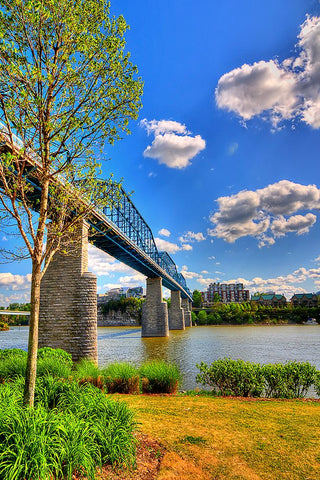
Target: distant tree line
[16,319]
[251,313]
[124,305]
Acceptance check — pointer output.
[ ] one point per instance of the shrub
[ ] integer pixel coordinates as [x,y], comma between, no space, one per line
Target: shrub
[159,377]
[12,352]
[202,317]
[121,377]
[316,382]
[12,367]
[57,353]
[232,377]
[289,380]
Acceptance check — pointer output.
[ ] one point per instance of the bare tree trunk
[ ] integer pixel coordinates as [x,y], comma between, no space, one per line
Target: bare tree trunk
[30,379]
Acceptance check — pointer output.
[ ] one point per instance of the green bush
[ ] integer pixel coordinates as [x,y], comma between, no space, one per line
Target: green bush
[159,377]
[56,353]
[232,377]
[316,382]
[12,367]
[121,377]
[72,429]
[236,377]
[289,380]
[12,352]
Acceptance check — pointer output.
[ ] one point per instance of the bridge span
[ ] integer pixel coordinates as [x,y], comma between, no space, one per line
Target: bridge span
[68,307]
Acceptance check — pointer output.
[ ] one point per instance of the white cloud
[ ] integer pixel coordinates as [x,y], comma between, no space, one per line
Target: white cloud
[170,247]
[8,281]
[186,246]
[172,145]
[192,237]
[164,232]
[165,246]
[262,213]
[5,300]
[297,223]
[100,263]
[281,90]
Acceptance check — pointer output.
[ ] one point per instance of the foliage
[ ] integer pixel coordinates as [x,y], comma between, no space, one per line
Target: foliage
[3,326]
[86,371]
[251,313]
[193,318]
[72,430]
[196,299]
[232,377]
[121,377]
[316,382]
[130,305]
[159,377]
[289,380]
[239,378]
[202,317]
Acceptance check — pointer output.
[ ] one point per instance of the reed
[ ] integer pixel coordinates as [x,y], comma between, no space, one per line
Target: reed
[159,377]
[121,377]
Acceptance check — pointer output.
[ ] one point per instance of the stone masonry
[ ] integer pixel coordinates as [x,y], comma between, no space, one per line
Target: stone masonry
[154,311]
[187,312]
[68,303]
[176,312]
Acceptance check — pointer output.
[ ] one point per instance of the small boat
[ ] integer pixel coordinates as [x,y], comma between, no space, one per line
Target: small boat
[310,321]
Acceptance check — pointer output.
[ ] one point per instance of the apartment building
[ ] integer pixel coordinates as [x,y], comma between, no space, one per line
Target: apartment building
[228,292]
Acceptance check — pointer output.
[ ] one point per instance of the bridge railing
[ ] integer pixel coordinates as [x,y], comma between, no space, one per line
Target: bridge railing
[121,211]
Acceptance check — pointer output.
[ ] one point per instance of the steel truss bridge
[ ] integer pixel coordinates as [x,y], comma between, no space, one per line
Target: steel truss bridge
[119,229]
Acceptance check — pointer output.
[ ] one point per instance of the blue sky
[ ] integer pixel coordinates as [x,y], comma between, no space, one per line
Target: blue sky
[223,160]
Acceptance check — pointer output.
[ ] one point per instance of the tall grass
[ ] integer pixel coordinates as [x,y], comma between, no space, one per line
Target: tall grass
[72,429]
[159,377]
[121,377]
[86,371]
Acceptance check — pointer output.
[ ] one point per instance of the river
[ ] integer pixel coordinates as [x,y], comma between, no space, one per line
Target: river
[263,344]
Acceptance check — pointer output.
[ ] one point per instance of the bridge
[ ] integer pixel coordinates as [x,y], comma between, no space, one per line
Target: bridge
[68,306]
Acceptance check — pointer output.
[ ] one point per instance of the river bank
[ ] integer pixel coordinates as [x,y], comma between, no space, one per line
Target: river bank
[263,344]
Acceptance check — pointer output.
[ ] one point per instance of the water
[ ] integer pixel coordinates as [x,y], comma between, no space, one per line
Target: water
[263,344]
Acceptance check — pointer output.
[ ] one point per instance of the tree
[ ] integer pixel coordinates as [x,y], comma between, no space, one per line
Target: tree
[196,298]
[67,89]
[216,297]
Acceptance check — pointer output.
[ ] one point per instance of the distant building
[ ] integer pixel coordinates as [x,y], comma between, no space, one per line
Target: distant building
[120,292]
[269,299]
[136,292]
[228,292]
[304,300]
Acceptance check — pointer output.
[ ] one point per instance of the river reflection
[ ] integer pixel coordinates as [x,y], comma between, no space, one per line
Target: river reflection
[264,344]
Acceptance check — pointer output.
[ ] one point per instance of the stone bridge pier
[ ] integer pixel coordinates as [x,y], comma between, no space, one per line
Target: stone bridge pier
[68,303]
[186,305]
[176,312]
[154,311]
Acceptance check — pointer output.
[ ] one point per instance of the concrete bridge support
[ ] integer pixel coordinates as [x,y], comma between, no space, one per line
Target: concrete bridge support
[176,312]
[186,305]
[68,304]
[154,311]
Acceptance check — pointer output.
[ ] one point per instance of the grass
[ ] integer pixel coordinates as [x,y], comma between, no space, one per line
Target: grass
[121,377]
[209,437]
[159,377]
